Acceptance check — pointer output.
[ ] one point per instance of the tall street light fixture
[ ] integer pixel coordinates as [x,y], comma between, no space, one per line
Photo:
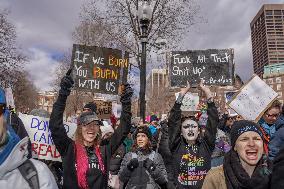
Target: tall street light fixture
[144,15]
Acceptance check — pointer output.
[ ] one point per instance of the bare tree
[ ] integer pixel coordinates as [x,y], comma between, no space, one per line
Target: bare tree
[25,93]
[11,60]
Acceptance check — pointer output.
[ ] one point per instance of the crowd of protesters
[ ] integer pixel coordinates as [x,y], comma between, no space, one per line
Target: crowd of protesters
[225,152]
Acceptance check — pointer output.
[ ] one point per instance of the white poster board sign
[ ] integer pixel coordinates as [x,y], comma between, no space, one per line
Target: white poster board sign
[253,99]
[190,101]
[9,97]
[40,136]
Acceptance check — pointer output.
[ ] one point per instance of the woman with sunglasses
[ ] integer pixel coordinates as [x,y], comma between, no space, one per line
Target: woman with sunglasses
[86,160]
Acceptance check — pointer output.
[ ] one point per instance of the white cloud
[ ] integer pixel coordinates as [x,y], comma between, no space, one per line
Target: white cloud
[41,68]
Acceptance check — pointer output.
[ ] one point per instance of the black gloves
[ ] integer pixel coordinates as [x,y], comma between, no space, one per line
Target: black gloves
[133,164]
[66,84]
[126,94]
[149,165]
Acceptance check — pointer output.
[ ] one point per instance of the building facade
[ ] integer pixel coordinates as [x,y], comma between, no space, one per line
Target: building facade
[267,35]
[274,77]
[46,100]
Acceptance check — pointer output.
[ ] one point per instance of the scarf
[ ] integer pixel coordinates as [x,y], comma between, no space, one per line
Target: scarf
[269,129]
[12,141]
[237,178]
[83,164]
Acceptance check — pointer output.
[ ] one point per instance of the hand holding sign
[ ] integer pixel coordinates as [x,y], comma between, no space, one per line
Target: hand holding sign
[205,89]
[185,90]
[66,83]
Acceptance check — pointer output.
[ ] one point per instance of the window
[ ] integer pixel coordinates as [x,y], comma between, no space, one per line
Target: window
[270,81]
[278,87]
[278,79]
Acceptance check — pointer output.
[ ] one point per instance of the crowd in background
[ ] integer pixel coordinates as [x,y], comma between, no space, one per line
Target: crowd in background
[227,152]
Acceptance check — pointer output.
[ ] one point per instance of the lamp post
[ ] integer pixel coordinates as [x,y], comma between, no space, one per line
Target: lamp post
[144,15]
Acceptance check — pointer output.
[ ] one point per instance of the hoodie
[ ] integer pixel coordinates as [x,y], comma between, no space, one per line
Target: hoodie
[10,176]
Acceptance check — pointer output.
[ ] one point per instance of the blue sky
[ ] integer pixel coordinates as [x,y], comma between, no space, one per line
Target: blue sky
[44,31]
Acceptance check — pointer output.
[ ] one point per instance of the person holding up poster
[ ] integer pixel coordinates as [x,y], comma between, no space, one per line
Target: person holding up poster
[191,152]
[86,160]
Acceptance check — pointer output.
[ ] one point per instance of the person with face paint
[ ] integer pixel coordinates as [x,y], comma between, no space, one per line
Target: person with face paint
[191,152]
[245,165]
[143,167]
[86,159]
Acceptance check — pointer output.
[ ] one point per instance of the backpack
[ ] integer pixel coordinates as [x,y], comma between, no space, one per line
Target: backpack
[29,172]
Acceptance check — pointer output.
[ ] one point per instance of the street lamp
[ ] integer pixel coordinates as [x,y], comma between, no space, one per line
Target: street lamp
[144,15]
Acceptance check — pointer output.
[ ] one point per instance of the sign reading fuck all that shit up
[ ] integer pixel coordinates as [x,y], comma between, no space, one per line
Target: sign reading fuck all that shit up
[99,69]
[214,66]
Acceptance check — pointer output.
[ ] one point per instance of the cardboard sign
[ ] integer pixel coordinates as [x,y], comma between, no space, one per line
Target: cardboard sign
[228,97]
[190,101]
[99,69]
[104,109]
[253,99]
[40,136]
[9,97]
[215,66]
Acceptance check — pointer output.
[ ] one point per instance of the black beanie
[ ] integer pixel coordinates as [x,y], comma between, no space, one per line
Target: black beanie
[242,126]
[143,129]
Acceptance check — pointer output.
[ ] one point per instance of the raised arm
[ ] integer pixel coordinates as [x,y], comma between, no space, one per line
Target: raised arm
[125,119]
[174,121]
[58,132]
[213,118]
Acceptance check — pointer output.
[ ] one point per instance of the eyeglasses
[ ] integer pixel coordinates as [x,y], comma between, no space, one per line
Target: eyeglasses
[272,115]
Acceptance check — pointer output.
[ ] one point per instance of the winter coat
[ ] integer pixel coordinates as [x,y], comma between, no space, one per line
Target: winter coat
[65,145]
[116,160]
[10,176]
[277,141]
[140,177]
[191,163]
[215,179]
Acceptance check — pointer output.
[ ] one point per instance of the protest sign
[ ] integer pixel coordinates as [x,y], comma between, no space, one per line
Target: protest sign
[214,66]
[99,69]
[40,136]
[104,109]
[253,99]
[9,97]
[228,97]
[190,101]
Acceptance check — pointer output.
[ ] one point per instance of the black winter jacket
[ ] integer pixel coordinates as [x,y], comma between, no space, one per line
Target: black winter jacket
[191,163]
[65,145]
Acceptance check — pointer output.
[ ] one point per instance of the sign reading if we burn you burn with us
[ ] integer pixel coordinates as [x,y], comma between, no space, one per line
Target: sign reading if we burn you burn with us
[214,66]
[99,69]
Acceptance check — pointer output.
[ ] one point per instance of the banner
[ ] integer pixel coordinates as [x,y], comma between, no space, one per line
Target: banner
[190,102]
[9,97]
[99,69]
[104,109]
[215,66]
[253,99]
[40,136]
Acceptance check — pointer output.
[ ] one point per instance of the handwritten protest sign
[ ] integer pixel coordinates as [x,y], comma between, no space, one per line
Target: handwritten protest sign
[215,66]
[190,101]
[99,69]
[228,97]
[104,109]
[9,97]
[253,99]
[40,136]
